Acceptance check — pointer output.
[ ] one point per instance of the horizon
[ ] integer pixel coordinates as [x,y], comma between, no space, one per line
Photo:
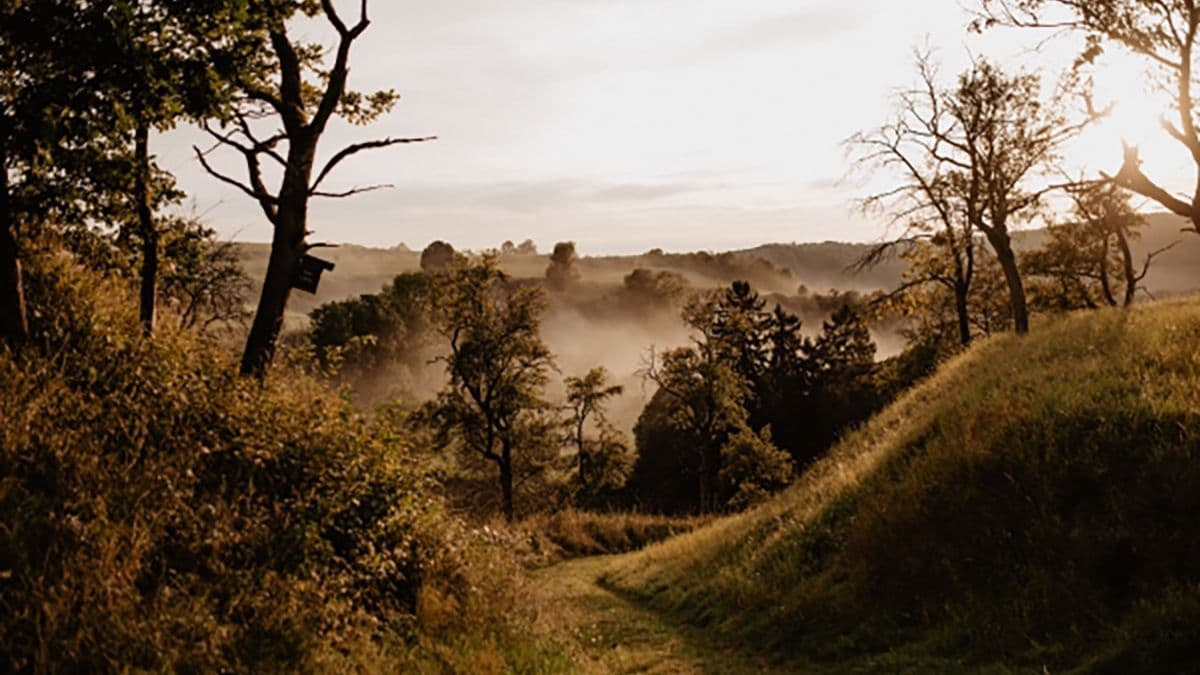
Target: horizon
[669,124]
[585,253]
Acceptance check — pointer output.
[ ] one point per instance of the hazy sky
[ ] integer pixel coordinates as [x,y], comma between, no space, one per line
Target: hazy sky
[630,124]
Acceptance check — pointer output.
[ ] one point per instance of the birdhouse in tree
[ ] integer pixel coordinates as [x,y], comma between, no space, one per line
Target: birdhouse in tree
[308,273]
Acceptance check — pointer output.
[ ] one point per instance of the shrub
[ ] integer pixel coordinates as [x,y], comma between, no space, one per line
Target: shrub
[571,533]
[158,512]
[752,468]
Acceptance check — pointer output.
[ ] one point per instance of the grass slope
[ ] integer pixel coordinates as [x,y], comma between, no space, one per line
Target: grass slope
[1033,505]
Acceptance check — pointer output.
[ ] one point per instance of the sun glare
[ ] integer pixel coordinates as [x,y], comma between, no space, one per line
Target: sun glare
[1136,110]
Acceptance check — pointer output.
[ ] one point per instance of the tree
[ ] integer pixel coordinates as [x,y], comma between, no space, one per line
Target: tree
[382,343]
[738,319]
[156,67]
[561,273]
[493,405]
[708,396]
[602,462]
[304,105]
[932,213]
[666,468]
[844,346]
[1087,261]
[785,343]
[1164,33]
[203,280]
[840,389]
[976,149]
[46,107]
[937,308]
[748,369]
[707,400]
[646,290]
[437,256]
[97,78]
[752,468]
[14,120]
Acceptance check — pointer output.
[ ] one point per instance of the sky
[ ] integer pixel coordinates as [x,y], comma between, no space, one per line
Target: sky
[625,125]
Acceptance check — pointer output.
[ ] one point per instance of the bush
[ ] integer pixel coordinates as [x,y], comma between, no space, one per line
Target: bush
[752,468]
[158,512]
[566,534]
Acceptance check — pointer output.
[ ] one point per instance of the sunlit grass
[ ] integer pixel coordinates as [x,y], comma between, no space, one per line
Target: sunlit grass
[1018,507]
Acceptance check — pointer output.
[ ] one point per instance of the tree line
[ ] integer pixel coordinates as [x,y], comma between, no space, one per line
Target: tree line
[732,417]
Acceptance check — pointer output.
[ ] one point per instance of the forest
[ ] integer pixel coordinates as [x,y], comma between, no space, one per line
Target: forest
[968,445]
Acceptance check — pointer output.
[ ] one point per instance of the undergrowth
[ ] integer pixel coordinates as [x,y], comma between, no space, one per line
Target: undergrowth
[160,513]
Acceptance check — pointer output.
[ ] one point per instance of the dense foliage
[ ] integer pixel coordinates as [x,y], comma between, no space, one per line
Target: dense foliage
[751,370]
[159,512]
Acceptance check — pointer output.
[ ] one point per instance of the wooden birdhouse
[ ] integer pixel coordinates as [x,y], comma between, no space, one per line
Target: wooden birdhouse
[308,273]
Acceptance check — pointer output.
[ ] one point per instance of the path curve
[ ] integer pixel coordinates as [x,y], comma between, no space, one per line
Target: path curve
[608,633]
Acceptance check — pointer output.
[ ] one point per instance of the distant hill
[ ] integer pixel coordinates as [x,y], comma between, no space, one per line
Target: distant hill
[1178,270]
[361,270]
[777,268]
[826,265]
[822,266]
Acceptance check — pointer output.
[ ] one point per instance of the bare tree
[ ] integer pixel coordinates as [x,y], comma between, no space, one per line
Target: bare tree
[203,280]
[974,153]
[1163,32]
[304,108]
[925,204]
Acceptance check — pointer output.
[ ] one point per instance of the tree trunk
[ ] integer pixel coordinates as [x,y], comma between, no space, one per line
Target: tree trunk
[964,314]
[581,446]
[146,227]
[1105,282]
[1002,245]
[14,327]
[964,275]
[585,477]
[506,480]
[287,247]
[1131,280]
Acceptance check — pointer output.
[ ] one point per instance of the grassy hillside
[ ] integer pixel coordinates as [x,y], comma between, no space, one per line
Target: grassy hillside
[1033,505]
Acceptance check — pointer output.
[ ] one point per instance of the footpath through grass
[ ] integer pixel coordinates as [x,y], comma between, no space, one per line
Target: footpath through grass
[605,632]
[601,630]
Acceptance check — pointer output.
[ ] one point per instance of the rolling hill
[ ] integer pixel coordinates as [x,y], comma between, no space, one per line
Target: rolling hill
[1029,508]
[780,268]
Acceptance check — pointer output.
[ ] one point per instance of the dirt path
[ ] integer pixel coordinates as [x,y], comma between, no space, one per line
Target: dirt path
[608,633]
